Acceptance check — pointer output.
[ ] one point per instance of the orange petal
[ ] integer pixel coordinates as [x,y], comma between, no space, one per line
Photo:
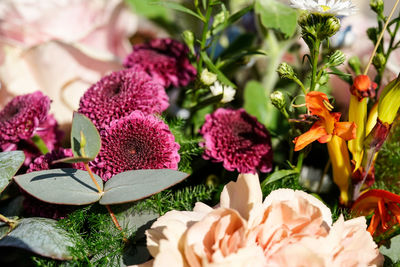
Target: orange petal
[316,132]
[345,130]
[395,210]
[368,201]
[315,103]
[374,222]
[383,214]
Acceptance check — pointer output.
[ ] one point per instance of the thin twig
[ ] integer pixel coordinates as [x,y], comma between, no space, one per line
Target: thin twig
[380,38]
[92,176]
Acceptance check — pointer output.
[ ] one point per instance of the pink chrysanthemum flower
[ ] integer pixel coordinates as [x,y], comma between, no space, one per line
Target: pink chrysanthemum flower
[238,140]
[22,118]
[165,60]
[137,141]
[35,207]
[118,94]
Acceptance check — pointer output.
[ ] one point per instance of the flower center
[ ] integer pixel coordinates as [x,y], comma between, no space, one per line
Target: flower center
[325,8]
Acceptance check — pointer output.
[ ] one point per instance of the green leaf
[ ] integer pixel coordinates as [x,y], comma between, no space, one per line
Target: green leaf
[40,236]
[178,7]
[137,184]
[277,176]
[61,186]
[40,144]
[10,162]
[72,160]
[233,18]
[277,15]
[83,129]
[214,69]
[255,102]
[392,250]
[4,229]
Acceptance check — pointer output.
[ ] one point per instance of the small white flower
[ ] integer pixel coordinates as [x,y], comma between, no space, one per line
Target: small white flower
[333,7]
[228,92]
[207,77]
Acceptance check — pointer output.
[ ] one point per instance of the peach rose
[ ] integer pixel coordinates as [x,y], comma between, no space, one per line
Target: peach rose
[290,228]
[61,47]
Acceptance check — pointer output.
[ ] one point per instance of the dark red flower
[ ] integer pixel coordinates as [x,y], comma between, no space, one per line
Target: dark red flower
[135,142]
[238,140]
[22,118]
[165,60]
[120,93]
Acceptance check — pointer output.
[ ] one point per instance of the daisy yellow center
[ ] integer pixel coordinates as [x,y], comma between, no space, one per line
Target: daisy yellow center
[325,8]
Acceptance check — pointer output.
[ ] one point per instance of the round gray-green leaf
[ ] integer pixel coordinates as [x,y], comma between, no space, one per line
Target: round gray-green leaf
[61,186]
[10,162]
[40,236]
[137,184]
[92,143]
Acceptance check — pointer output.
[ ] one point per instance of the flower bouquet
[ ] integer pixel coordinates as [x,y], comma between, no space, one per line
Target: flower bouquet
[199,133]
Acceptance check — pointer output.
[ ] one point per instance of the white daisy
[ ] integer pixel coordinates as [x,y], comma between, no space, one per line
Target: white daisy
[333,7]
[228,92]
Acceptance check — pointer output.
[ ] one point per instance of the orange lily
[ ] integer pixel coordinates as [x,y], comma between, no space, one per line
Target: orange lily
[328,124]
[385,207]
[329,130]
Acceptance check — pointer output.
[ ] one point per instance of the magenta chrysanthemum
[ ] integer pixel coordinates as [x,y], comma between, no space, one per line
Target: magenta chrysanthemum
[238,140]
[137,141]
[22,118]
[165,60]
[118,94]
[45,162]
[38,208]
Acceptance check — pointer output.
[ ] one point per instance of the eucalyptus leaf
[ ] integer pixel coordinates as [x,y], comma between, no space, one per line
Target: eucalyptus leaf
[40,236]
[61,186]
[4,229]
[10,162]
[72,160]
[277,15]
[255,101]
[392,249]
[85,139]
[278,175]
[137,184]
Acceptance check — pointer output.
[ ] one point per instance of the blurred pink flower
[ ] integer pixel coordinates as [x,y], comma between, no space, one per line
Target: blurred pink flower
[61,47]
[290,228]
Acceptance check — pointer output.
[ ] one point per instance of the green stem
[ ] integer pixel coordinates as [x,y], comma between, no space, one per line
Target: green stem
[204,38]
[300,159]
[296,80]
[314,63]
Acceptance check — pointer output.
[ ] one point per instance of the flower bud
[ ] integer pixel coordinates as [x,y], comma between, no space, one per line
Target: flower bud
[188,38]
[332,26]
[363,87]
[220,18]
[286,71]
[379,60]
[337,58]
[377,6]
[372,34]
[278,100]
[389,102]
[355,64]
[207,77]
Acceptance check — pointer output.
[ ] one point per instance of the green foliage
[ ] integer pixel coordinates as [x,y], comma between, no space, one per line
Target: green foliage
[189,146]
[290,181]
[387,167]
[133,185]
[10,162]
[182,199]
[99,243]
[277,15]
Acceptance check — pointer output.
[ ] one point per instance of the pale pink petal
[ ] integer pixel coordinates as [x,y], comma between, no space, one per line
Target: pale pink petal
[290,195]
[242,195]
